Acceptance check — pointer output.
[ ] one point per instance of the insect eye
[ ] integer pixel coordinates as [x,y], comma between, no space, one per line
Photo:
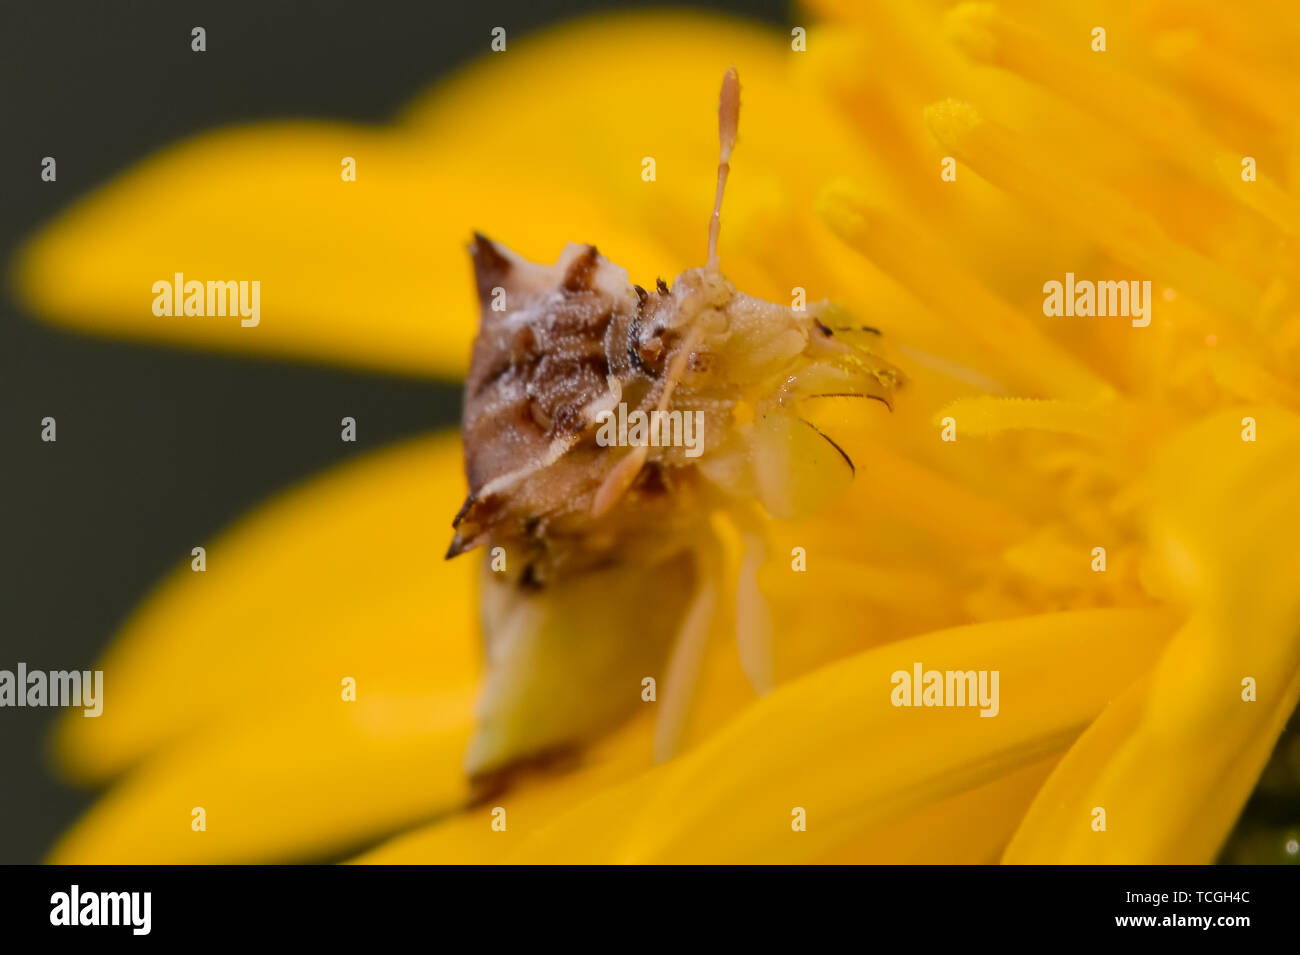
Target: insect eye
[700,362]
[568,420]
[651,350]
[646,349]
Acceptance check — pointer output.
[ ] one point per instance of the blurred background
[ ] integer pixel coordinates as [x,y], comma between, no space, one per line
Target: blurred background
[157,447]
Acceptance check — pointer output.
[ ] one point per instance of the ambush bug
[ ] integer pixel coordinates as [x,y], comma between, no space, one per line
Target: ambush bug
[603,564]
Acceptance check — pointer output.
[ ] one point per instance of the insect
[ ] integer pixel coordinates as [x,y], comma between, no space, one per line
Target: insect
[604,564]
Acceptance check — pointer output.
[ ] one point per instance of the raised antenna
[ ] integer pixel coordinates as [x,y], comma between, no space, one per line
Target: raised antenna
[728,119]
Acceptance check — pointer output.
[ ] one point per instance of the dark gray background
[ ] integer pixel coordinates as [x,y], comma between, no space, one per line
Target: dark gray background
[157,447]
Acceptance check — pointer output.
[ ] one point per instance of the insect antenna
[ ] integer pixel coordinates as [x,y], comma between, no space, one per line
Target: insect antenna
[728,119]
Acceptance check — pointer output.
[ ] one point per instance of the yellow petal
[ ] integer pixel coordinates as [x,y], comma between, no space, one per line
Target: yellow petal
[970,828]
[1174,760]
[301,783]
[341,577]
[529,804]
[536,796]
[375,272]
[588,129]
[833,744]
[348,271]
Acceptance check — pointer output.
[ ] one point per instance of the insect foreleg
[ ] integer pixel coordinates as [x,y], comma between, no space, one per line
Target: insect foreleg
[688,649]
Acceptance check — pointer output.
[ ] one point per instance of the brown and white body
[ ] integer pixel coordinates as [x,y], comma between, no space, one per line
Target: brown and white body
[602,562]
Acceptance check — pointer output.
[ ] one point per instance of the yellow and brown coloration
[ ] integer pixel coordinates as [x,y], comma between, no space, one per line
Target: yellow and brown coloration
[612,569]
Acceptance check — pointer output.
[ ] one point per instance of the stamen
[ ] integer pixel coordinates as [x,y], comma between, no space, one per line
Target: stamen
[987,415]
[1008,338]
[938,505]
[1220,77]
[728,120]
[1241,375]
[987,35]
[1018,166]
[1134,105]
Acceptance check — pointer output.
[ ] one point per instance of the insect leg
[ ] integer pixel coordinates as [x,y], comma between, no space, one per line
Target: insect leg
[687,655]
[753,618]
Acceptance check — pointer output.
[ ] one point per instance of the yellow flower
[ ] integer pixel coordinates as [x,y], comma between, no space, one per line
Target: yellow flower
[1109,531]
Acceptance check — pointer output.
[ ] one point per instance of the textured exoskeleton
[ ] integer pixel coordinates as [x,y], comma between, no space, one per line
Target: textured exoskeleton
[611,567]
